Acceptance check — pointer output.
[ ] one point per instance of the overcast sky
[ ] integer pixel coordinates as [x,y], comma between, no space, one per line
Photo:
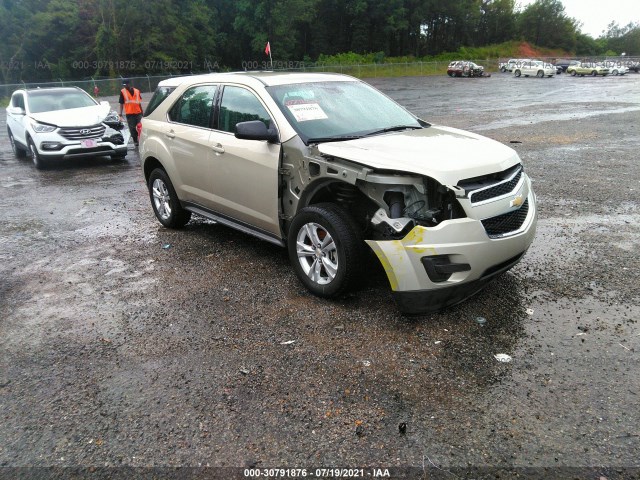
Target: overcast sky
[595,15]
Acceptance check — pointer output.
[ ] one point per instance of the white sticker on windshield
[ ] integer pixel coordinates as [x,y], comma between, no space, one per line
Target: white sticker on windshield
[304,112]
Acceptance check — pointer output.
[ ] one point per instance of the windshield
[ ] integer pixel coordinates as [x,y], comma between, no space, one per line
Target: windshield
[52,100]
[331,111]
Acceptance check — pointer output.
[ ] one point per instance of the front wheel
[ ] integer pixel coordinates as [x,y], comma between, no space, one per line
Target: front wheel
[325,249]
[517,73]
[38,161]
[540,74]
[165,202]
[615,72]
[573,73]
[594,73]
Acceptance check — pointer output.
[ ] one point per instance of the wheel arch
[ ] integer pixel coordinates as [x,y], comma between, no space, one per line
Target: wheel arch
[150,164]
[337,192]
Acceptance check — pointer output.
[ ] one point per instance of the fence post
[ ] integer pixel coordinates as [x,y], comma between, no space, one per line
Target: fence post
[149,82]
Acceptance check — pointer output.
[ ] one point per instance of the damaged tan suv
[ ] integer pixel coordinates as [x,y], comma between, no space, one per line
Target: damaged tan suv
[325,165]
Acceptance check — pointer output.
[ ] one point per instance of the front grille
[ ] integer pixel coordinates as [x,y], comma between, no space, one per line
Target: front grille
[494,185]
[83,133]
[496,191]
[506,223]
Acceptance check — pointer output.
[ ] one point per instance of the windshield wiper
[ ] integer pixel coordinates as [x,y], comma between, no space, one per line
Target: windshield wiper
[337,138]
[394,129]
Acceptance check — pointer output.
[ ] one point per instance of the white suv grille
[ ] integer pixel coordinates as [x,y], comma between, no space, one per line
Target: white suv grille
[82,133]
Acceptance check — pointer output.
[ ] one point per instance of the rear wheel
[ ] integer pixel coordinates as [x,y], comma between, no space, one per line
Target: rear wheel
[615,72]
[517,73]
[38,161]
[325,248]
[18,151]
[573,73]
[165,202]
[594,73]
[540,74]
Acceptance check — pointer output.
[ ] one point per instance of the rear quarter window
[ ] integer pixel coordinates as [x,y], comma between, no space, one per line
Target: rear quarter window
[159,96]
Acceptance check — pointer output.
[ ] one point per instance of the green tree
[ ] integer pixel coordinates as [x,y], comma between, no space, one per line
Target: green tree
[545,23]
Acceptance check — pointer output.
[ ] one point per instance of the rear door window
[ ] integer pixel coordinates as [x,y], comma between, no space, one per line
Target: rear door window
[194,106]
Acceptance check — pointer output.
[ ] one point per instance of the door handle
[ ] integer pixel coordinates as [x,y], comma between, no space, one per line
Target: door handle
[218,148]
[170,134]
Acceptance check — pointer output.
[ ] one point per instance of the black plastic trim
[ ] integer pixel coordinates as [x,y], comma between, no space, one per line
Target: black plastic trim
[416,302]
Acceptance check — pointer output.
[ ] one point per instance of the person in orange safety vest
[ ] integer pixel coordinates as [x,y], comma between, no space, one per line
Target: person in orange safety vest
[131,102]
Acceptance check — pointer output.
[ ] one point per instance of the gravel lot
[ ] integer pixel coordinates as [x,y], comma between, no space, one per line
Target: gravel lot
[126,346]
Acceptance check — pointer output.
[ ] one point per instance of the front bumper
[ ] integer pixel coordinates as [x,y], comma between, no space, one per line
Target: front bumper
[52,146]
[463,243]
[77,151]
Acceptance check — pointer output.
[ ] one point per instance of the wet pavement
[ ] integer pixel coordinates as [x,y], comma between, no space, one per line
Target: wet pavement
[124,344]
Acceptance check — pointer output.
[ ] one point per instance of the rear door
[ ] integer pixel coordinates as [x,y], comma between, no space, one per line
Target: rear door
[187,137]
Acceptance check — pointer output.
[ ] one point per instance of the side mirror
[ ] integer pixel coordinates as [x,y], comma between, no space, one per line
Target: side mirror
[255,130]
[16,111]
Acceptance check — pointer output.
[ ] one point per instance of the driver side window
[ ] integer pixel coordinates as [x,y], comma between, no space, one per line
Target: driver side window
[240,105]
[18,101]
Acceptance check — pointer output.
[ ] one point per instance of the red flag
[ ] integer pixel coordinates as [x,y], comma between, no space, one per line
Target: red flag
[267,49]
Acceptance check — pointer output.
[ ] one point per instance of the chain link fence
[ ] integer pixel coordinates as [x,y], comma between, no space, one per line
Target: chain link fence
[106,86]
[111,86]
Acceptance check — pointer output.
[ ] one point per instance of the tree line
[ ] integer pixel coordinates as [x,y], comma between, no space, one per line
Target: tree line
[74,39]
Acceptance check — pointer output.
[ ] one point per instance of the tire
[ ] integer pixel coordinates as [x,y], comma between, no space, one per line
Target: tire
[450,74]
[594,74]
[517,73]
[573,73]
[540,74]
[503,70]
[615,72]
[325,249]
[18,151]
[165,202]
[38,161]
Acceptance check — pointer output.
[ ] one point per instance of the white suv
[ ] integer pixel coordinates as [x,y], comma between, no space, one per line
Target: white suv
[52,124]
[534,68]
[325,165]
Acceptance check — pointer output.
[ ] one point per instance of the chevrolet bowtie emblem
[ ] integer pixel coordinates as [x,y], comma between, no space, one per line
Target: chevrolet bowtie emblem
[516,202]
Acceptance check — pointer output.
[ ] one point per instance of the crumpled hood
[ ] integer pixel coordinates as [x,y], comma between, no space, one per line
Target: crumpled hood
[74,117]
[445,154]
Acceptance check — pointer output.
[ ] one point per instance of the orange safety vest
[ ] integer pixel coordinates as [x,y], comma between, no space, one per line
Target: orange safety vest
[132,104]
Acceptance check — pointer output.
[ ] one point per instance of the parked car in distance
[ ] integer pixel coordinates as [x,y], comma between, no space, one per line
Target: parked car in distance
[464,68]
[584,68]
[329,167]
[511,64]
[534,68]
[564,63]
[53,124]
[616,68]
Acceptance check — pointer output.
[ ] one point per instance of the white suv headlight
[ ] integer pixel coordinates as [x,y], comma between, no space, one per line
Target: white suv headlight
[42,128]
